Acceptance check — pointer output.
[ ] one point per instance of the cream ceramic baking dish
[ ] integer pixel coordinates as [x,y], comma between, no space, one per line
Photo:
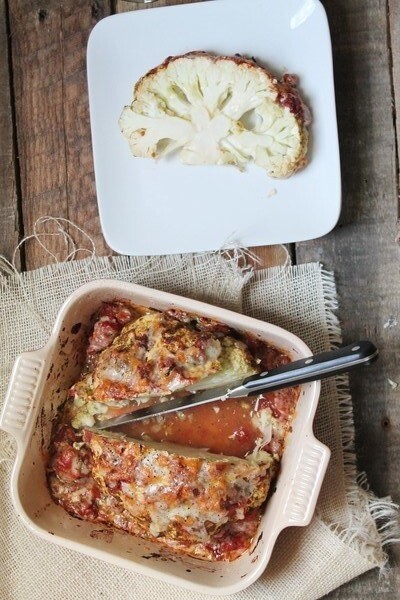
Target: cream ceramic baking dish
[38,385]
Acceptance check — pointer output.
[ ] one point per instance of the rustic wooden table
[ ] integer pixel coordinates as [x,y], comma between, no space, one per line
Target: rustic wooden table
[46,169]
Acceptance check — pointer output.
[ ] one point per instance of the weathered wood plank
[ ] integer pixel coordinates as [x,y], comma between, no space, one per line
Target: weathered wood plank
[394,53]
[394,49]
[271,256]
[49,46]
[77,22]
[126,6]
[369,586]
[8,195]
[362,249]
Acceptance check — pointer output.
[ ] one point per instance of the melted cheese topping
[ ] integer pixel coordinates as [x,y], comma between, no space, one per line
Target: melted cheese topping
[190,500]
[173,491]
[152,356]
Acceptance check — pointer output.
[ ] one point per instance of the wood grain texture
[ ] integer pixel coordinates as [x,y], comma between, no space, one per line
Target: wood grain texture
[126,6]
[271,256]
[49,50]
[8,195]
[363,251]
[394,24]
[394,54]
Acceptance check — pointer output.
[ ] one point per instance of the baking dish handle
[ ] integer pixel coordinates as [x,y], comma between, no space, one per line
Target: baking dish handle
[22,394]
[306,483]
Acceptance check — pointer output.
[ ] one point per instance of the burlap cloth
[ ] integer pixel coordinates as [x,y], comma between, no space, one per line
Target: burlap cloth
[350,527]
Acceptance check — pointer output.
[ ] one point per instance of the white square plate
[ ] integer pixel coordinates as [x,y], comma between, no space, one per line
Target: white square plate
[164,207]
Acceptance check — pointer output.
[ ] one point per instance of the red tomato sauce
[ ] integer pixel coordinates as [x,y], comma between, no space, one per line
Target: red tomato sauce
[223,427]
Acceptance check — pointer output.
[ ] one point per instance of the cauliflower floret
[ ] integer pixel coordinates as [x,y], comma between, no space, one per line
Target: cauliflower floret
[235,363]
[218,110]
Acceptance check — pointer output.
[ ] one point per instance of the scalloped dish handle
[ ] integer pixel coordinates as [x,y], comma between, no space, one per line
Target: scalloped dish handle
[306,483]
[22,393]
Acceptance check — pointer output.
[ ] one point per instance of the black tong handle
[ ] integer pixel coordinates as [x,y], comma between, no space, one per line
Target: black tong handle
[316,367]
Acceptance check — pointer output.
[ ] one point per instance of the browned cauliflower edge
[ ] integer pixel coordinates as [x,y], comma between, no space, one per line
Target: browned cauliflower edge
[218,110]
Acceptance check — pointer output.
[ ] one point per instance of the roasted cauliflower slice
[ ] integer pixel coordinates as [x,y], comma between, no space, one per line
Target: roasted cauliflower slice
[218,110]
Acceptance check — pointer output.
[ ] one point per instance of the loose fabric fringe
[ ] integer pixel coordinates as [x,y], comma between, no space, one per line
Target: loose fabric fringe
[236,262]
[373,522]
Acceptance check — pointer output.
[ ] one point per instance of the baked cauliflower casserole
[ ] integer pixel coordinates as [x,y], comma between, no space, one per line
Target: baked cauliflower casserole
[194,481]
